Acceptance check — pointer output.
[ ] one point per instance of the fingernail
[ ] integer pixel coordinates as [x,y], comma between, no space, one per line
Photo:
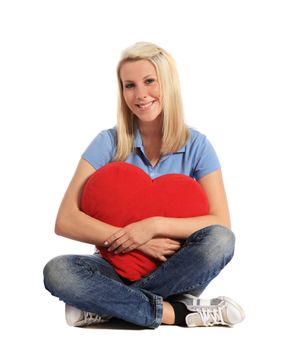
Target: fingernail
[106,243]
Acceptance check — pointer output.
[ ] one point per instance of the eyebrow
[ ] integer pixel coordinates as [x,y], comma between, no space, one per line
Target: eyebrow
[146,77]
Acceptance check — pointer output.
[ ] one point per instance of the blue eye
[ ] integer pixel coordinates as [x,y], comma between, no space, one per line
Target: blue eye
[129,86]
[150,81]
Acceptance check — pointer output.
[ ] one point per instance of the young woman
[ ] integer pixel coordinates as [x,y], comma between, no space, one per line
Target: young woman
[150,134]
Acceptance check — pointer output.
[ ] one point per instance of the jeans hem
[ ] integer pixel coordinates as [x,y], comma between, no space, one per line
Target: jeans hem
[158,300]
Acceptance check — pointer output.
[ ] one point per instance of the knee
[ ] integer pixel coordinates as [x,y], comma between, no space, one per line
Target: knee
[222,241]
[55,273]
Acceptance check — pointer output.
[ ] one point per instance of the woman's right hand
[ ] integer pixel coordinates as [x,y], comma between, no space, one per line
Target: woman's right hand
[160,248]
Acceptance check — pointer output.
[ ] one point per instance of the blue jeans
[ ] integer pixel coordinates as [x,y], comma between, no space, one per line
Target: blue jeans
[90,283]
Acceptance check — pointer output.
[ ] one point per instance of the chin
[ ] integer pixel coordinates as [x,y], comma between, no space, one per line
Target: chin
[146,119]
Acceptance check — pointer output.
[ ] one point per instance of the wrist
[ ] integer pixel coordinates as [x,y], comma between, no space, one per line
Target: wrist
[159,225]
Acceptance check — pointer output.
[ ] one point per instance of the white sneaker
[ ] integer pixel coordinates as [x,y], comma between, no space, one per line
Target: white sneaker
[78,318]
[212,312]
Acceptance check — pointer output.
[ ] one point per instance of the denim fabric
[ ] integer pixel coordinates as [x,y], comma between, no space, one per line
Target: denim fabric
[90,283]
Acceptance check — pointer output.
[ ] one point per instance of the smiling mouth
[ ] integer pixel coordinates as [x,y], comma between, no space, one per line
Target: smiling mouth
[145,106]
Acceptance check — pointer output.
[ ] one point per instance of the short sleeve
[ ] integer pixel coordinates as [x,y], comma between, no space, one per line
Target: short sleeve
[206,160]
[102,149]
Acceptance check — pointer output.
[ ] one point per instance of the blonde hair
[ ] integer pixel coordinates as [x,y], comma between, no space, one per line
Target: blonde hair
[175,132]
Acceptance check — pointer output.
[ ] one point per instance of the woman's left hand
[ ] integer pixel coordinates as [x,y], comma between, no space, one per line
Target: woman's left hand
[131,236]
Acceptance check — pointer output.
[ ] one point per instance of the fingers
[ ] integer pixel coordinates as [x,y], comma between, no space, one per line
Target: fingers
[166,254]
[120,242]
[125,248]
[171,245]
[110,240]
[121,245]
[117,242]
[173,242]
[130,248]
[123,242]
[170,252]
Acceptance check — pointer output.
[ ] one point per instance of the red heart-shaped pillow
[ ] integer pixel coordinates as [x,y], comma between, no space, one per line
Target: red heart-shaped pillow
[121,193]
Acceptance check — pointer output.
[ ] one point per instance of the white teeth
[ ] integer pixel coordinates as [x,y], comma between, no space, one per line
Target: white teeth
[146,105]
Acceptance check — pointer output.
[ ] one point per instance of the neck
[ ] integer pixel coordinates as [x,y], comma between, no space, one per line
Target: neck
[151,129]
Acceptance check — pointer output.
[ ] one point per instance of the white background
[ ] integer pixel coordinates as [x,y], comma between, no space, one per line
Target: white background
[58,90]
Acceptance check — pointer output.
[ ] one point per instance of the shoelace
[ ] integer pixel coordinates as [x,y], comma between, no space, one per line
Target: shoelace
[92,318]
[211,317]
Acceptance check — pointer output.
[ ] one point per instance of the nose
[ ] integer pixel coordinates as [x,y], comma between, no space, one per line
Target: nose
[141,92]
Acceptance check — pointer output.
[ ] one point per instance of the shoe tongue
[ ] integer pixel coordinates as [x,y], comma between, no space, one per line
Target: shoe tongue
[194,320]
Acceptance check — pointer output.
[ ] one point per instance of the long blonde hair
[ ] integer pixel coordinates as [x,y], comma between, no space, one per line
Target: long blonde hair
[175,132]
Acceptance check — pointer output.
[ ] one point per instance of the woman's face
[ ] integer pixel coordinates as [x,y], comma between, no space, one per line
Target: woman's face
[141,89]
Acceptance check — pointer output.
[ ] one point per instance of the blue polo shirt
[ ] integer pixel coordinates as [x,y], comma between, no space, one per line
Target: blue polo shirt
[196,158]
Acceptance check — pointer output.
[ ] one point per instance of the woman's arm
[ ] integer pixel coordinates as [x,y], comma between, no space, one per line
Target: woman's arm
[134,235]
[71,222]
